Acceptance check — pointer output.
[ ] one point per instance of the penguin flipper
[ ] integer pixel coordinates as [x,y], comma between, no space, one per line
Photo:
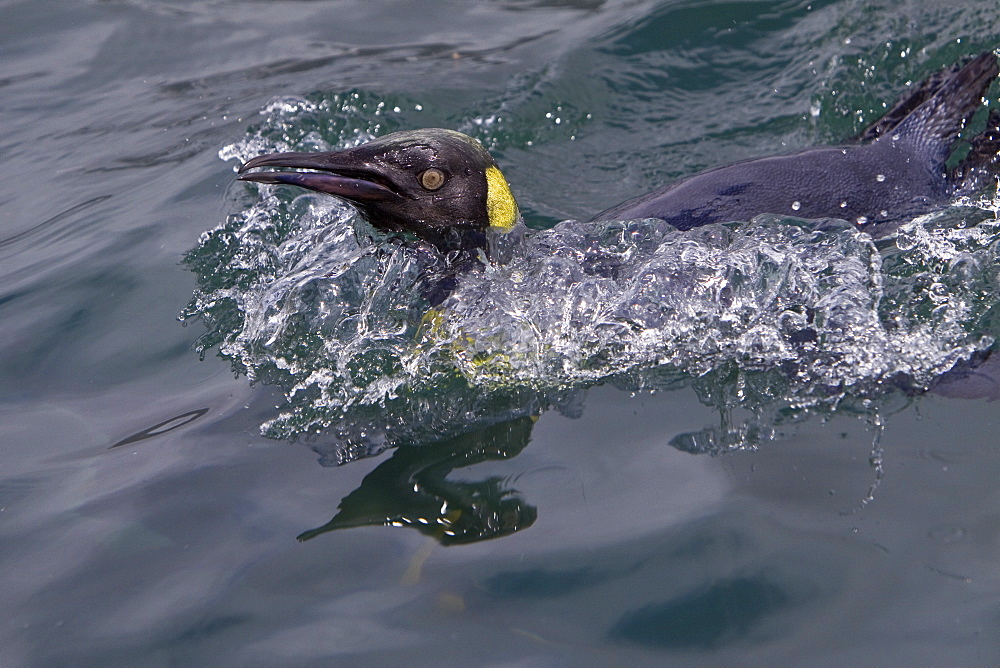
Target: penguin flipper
[906,105]
[936,111]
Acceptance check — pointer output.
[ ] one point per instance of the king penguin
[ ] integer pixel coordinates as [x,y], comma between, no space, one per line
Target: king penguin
[445,188]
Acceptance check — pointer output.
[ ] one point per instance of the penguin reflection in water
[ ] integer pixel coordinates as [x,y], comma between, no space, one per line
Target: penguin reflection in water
[444,187]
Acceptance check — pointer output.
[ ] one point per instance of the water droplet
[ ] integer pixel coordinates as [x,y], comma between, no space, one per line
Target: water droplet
[880,178]
[862,220]
[796,205]
[843,205]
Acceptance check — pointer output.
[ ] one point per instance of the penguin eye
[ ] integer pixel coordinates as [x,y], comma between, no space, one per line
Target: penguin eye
[432,178]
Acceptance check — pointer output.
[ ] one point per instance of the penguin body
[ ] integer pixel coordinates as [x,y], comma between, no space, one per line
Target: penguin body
[892,171]
[866,185]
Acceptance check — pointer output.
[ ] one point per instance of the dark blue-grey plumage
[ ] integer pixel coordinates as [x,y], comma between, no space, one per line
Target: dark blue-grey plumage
[892,171]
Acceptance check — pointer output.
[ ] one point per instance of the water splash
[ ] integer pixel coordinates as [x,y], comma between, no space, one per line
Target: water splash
[776,316]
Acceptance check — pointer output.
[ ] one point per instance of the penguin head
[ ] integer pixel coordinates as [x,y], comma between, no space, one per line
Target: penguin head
[440,185]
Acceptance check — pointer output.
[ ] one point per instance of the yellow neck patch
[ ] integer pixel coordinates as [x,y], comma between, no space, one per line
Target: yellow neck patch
[500,205]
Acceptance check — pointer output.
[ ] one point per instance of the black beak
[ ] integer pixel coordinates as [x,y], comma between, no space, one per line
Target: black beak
[337,174]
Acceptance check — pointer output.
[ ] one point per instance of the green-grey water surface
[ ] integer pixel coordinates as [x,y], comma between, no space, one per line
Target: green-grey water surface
[144,519]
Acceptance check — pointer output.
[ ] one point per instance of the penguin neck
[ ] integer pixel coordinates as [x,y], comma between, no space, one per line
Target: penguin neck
[457,246]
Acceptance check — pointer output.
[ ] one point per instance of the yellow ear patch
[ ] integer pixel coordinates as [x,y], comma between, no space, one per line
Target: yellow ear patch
[500,205]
